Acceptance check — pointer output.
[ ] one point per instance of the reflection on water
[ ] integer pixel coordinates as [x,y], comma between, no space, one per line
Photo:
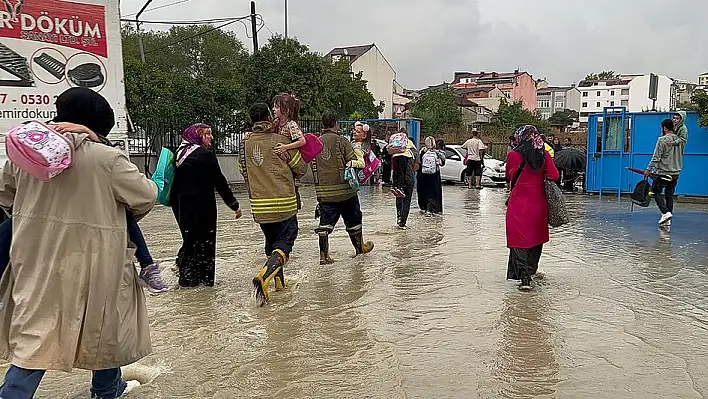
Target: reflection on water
[428,314]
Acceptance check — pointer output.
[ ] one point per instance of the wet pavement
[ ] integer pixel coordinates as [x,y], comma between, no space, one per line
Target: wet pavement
[622,313]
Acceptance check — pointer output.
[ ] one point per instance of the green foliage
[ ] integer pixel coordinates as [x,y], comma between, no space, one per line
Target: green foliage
[564,118]
[602,75]
[511,116]
[211,78]
[438,111]
[700,102]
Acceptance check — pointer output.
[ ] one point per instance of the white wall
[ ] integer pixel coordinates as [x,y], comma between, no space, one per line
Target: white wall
[572,100]
[639,94]
[379,76]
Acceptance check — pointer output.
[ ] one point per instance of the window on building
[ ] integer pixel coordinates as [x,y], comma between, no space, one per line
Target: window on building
[613,134]
[625,103]
[625,92]
[545,115]
[612,103]
[544,103]
[585,94]
[612,92]
[599,93]
[598,105]
[585,105]
[560,105]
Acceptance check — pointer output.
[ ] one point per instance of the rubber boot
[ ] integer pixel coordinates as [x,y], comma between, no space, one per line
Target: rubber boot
[273,268]
[360,246]
[324,250]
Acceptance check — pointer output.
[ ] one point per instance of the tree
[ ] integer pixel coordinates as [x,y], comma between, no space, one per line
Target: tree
[511,116]
[438,111]
[564,118]
[700,102]
[286,65]
[602,75]
[197,74]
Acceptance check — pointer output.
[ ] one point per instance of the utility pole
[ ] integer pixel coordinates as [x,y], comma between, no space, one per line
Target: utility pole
[253,27]
[286,19]
[140,36]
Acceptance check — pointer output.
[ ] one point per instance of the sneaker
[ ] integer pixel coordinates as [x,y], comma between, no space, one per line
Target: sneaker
[402,227]
[525,284]
[665,218]
[151,279]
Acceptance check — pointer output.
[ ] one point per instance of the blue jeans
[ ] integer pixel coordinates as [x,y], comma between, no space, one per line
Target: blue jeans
[134,233]
[22,383]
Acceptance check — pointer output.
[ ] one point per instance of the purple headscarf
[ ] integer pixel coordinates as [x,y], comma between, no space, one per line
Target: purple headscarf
[192,138]
[529,144]
[194,133]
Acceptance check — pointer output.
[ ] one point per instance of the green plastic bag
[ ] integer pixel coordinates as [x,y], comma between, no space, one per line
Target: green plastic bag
[352,177]
[164,176]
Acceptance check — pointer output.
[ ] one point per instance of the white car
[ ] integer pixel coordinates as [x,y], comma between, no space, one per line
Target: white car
[494,173]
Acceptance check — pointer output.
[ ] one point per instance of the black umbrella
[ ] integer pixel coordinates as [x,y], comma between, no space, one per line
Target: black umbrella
[570,159]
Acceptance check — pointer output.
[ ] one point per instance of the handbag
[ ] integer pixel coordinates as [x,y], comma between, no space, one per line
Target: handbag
[557,211]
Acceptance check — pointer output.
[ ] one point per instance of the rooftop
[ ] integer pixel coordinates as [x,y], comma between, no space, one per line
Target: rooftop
[354,52]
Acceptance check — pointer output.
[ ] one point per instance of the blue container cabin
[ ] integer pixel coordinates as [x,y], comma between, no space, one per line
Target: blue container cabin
[618,140]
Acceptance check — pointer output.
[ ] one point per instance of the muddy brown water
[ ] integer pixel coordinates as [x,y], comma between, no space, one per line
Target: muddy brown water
[428,314]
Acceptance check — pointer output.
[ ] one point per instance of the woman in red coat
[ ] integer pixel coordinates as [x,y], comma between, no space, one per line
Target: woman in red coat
[527,212]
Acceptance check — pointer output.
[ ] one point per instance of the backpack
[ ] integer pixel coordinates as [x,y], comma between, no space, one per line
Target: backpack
[39,150]
[640,196]
[429,163]
[398,143]
[312,148]
[371,165]
[164,175]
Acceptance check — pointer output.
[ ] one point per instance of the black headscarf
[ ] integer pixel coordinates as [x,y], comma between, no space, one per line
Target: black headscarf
[85,107]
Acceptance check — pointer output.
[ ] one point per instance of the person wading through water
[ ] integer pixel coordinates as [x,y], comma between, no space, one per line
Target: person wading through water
[335,196]
[271,188]
[527,167]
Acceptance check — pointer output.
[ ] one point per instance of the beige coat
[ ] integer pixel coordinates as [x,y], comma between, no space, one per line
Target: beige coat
[70,297]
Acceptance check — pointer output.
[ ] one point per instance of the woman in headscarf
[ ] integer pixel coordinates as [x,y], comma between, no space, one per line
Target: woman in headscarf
[429,183]
[527,167]
[70,297]
[194,204]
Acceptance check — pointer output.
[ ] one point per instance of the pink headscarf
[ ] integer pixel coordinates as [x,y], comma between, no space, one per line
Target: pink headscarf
[192,138]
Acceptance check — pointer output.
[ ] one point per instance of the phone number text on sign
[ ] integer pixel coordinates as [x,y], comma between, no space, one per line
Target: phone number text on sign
[28,99]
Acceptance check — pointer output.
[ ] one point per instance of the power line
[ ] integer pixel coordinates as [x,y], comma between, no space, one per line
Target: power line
[197,35]
[183,22]
[159,7]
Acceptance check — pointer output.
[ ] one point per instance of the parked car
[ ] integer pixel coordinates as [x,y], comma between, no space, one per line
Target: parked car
[493,174]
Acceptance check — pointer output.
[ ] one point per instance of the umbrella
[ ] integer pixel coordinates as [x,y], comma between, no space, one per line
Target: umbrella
[570,159]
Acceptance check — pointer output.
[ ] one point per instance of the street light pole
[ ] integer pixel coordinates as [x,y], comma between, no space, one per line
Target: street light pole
[286,19]
[140,36]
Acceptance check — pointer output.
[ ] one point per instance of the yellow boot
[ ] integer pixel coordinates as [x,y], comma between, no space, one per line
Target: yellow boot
[360,246]
[273,268]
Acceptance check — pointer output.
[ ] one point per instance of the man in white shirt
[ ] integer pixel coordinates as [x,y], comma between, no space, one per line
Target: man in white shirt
[475,159]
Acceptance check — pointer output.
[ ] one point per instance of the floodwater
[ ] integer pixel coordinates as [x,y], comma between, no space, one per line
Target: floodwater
[622,314]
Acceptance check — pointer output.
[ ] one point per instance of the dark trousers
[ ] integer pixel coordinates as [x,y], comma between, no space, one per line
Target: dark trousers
[330,212]
[22,383]
[280,235]
[403,205]
[664,201]
[400,163]
[386,170]
[523,262]
[134,233]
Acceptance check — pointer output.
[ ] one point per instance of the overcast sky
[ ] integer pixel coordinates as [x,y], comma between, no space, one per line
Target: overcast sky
[426,41]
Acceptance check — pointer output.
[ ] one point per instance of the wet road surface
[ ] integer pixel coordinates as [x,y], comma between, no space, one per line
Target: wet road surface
[622,313]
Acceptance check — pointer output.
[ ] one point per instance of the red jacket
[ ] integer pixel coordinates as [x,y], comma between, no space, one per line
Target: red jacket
[527,214]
